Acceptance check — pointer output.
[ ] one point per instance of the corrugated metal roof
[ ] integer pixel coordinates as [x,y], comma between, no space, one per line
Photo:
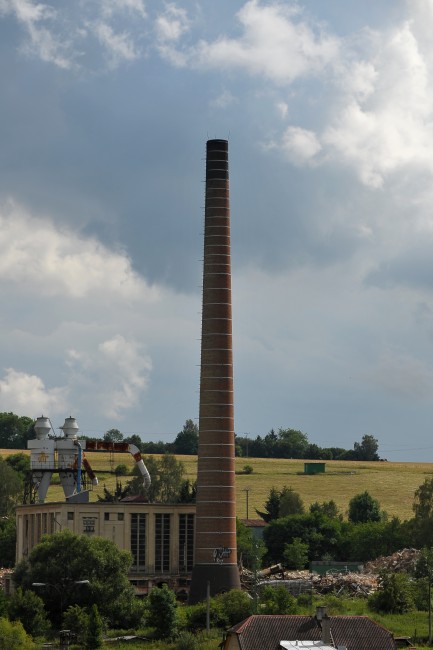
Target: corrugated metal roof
[265,632]
[307,645]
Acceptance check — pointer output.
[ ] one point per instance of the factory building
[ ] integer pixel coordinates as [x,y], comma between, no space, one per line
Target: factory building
[159,536]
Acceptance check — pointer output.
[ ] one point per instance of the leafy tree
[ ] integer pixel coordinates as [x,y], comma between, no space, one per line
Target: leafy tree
[394,595]
[94,630]
[290,503]
[323,536]
[10,488]
[113,435]
[27,607]
[4,602]
[20,463]
[423,509]
[162,612]
[188,491]
[367,449]
[76,619]
[369,540]
[63,559]
[8,538]
[15,431]
[292,443]
[327,508]
[236,604]
[250,549]
[296,554]
[277,601]
[117,495]
[186,441]
[14,637]
[363,507]
[281,503]
[134,440]
[272,506]
[166,474]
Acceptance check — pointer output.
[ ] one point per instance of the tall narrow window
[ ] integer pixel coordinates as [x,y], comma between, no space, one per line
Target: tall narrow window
[186,543]
[162,543]
[138,541]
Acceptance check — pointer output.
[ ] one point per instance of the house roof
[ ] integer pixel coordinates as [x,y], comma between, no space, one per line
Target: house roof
[265,632]
[254,523]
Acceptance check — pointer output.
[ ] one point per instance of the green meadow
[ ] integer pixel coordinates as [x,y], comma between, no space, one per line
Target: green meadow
[393,484]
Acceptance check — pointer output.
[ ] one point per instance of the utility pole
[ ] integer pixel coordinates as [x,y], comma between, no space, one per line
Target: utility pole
[247,491]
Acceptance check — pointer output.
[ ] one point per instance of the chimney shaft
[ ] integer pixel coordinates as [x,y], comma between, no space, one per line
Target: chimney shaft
[326,630]
[215,558]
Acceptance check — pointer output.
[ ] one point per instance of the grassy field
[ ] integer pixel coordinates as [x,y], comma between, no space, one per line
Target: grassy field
[393,484]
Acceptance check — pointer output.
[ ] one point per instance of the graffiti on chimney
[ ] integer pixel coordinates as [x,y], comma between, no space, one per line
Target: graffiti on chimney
[220,553]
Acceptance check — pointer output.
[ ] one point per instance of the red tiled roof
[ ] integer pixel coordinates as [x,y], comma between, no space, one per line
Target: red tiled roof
[254,523]
[262,632]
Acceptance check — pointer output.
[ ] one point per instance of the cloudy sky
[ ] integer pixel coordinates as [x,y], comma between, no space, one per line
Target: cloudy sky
[105,108]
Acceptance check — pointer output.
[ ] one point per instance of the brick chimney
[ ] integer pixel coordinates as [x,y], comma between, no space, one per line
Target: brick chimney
[215,555]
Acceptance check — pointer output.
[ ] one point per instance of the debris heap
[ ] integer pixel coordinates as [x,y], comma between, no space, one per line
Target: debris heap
[400,562]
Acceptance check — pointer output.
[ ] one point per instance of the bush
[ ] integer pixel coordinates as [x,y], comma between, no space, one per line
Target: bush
[196,616]
[187,641]
[13,636]
[121,470]
[76,619]
[27,607]
[394,596]
[305,599]
[363,507]
[236,604]
[162,612]
[296,554]
[277,600]
[94,630]
[247,469]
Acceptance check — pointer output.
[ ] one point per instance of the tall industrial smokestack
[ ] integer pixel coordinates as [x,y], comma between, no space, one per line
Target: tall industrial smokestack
[215,560]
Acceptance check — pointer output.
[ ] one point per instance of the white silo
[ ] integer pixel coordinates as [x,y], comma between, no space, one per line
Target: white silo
[42,457]
[67,456]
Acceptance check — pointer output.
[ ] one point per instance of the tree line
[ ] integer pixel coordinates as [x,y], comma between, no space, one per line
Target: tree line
[15,431]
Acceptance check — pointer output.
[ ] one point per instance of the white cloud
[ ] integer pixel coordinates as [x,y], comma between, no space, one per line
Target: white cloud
[35,256]
[21,392]
[224,100]
[172,23]
[276,43]
[114,376]
[388,126]
[300,145]
[120,46]
[110,7]
[42,41]
[283,109]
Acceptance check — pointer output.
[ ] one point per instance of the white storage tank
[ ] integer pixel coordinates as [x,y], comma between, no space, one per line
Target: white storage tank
[42,457]
[67,456]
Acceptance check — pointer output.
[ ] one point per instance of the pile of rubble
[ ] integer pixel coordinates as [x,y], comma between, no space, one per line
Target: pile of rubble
[355,584]
[4,573]
[399,562]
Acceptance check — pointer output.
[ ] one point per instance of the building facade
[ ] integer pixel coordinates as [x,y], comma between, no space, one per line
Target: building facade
[159,536]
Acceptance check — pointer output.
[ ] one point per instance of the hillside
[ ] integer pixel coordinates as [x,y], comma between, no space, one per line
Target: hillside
[393,484]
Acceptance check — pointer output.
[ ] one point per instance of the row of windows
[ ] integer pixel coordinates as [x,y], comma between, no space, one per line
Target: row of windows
[120,516]
[162,542]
